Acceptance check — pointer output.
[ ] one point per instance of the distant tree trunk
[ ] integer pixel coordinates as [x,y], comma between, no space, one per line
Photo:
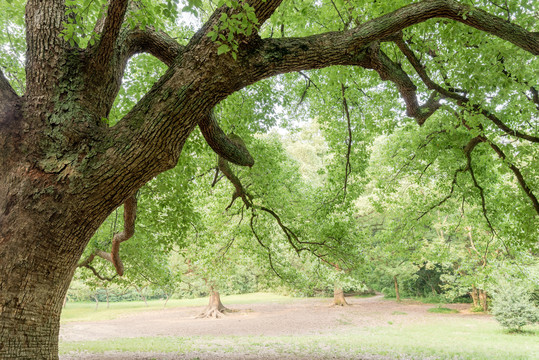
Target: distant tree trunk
[338,297]
[96,298]
[397,293]
[107,295]
[475,296]
[215,308]
[483,300]
[139,290]
[65,301]
[166,299]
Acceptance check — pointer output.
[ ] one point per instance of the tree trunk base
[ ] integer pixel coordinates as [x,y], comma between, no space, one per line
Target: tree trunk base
[215,308]
[338,298]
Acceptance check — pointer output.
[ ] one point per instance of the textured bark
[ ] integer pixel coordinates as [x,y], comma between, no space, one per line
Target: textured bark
[63,171]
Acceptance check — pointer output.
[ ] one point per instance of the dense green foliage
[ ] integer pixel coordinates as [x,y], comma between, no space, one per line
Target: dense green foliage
[512,305]
[362,194]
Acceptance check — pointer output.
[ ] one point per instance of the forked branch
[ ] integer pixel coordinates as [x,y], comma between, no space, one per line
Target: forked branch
[461,100]
[390,70]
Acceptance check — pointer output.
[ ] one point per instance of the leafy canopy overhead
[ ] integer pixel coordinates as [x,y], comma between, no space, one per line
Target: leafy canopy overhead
[452,87]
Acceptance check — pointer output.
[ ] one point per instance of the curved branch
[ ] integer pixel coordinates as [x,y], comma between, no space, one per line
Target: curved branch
[156,43]
[130,215]
[480,188]
[468,15]
[231,148]
[240,191]
[111,29]
[99,276]
[468,148]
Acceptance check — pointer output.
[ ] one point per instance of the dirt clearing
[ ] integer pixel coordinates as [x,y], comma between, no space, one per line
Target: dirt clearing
[299,317]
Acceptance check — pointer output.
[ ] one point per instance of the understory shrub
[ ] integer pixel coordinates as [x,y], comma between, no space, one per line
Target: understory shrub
[512,306]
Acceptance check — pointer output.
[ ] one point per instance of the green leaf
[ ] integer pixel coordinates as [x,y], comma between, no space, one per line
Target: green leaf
[223,49]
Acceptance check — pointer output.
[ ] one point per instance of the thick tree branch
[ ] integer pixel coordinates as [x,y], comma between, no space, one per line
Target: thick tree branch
[461,100]
[8,97]
[45,47]
[156,128]
[153,42]
[471,16]
[264,8]
[390,70]
[130,214]
[240,191]
[277,56]
[229,148]
[7,94]
[111,29]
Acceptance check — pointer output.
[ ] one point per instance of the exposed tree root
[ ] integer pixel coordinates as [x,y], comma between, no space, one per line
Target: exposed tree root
[215,308]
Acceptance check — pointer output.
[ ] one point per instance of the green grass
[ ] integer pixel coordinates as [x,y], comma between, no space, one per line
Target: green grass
[442,310]
[457,338]
[85,311]
[398,313]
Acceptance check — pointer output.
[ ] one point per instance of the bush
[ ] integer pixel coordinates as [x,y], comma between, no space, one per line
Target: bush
[512,306]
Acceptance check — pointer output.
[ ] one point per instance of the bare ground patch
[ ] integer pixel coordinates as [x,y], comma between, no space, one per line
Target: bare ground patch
[301,317]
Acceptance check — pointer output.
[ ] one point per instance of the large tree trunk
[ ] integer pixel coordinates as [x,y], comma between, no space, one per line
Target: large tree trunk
[338,297]
[38,259]
[215,308]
